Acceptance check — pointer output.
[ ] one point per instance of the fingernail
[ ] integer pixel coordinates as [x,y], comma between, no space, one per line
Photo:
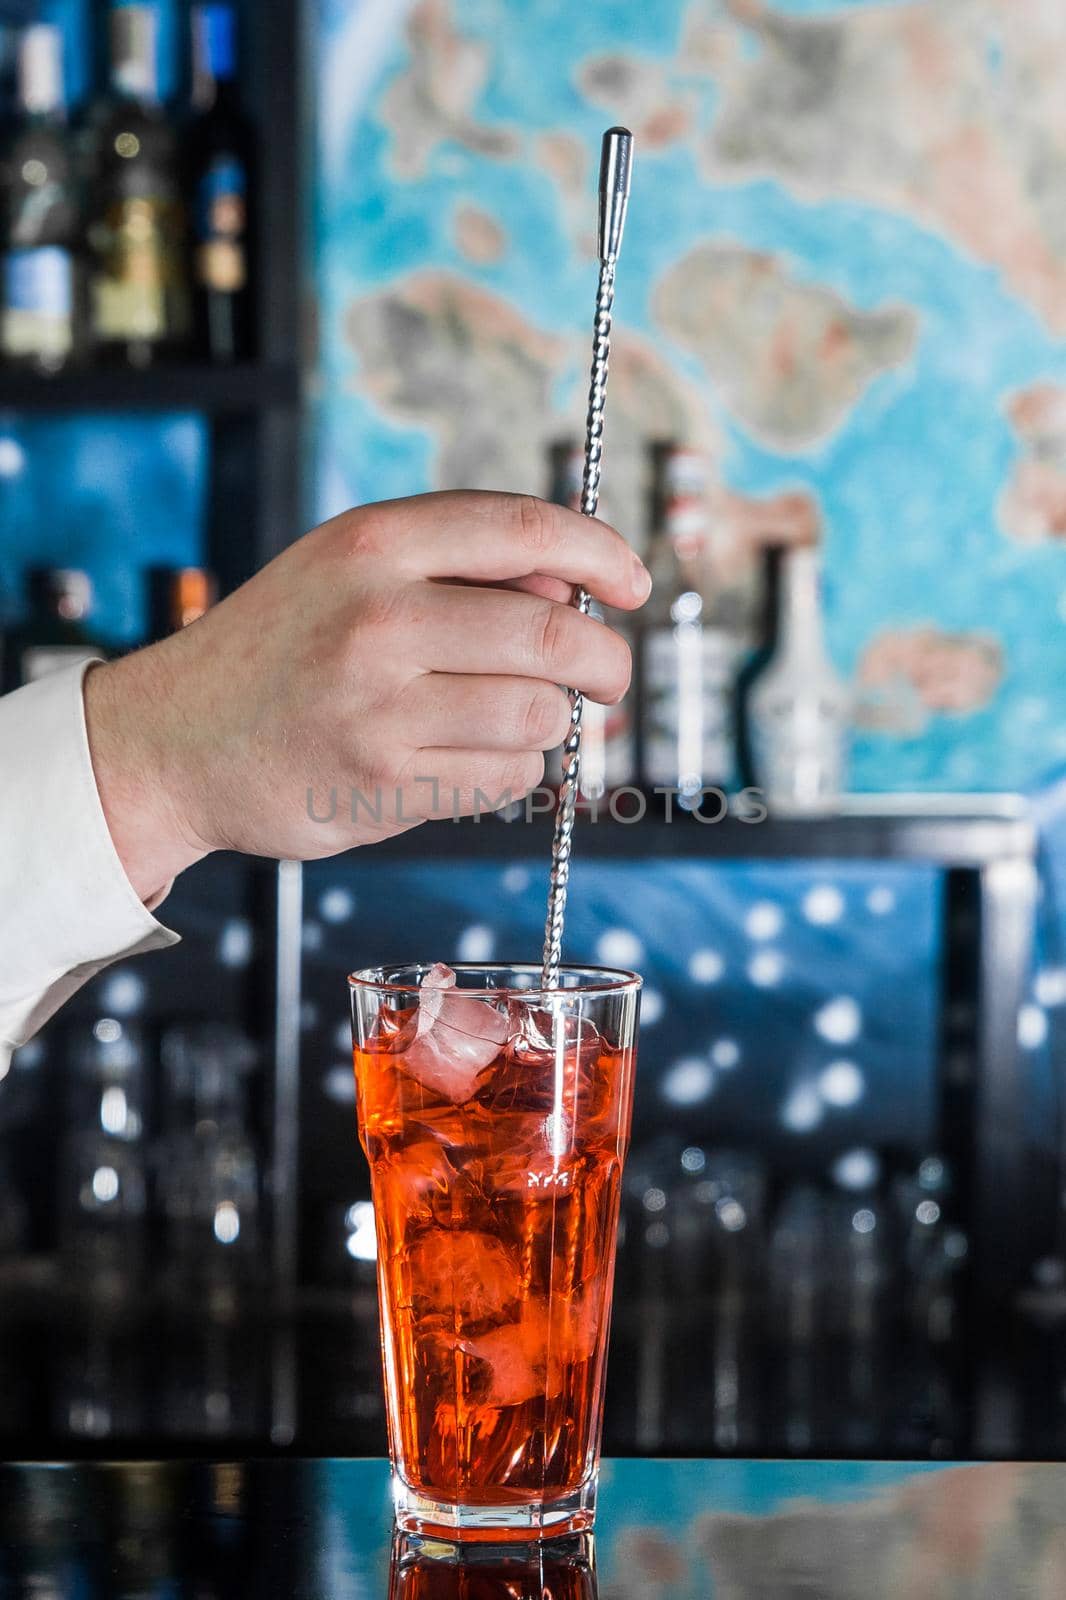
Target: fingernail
[641,580]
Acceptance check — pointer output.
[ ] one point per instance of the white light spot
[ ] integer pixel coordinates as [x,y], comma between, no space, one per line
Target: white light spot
[705,966]
[693,1159]
[29,1055]
[123,993]
[864,1221]
[476,943]
[107,1030]
[764,920]
[731,1215]
[309,1015]
[343,1036]
[362,1242]
[657,1235]
[618,947]
[12,458]
[311,936]
[235,943]
[856,1169]
[881,900]
[927,1213]
[725,1053]
[841,1083]
[802,1111]
[956,1246]
[1032,1027]
[338,1085]
[823,904]
[516,880]
[688,1081]
[652,1006]
[227,1222]
[1050,986]
[839,1020]
[105,1185]
[654,1200]
[336,905]
[114,1111]
[766,968]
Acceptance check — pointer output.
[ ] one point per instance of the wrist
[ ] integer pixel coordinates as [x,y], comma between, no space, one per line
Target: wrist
[125,705]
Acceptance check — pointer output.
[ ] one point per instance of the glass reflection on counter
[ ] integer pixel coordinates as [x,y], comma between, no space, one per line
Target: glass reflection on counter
[563,1569]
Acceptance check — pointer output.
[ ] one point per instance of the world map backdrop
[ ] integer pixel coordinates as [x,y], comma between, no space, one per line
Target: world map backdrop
[844,279]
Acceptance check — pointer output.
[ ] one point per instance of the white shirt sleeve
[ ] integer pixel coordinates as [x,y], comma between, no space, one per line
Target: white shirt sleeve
[67,908]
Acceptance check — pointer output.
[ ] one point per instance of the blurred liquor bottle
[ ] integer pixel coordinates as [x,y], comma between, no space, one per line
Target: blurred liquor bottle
[219,189]
[41,322]
[800,706]
[608,736]
[688,654]
[140,306]
[177,597]
[57,633]
[764,645]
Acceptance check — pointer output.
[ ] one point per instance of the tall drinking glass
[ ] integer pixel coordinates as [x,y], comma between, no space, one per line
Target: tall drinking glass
[495,1117]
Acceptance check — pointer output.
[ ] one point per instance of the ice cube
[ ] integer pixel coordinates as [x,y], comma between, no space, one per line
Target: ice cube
[465,1277]
[534,1355]
[514,1356]
[458,1036]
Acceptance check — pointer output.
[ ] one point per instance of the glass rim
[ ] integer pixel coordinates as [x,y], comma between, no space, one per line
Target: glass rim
[606,980]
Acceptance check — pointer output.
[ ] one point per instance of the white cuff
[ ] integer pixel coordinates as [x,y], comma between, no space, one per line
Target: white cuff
[67,909]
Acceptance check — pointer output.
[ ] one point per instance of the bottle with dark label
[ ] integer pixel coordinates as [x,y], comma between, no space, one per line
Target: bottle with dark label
[179,596]
[140,305]
[764,644]
[57,633]
[688,657]
[40,322]
[220,163]
[608,753]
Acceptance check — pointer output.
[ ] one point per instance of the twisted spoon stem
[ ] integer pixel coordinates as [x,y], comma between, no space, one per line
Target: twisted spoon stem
[563,837]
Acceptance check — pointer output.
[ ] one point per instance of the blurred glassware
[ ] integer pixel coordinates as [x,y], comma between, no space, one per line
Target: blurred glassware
[103,1234]
[97,1387]
[796,1283]
[208,1183]
[211,1376]
[856,1302]
[108,1084]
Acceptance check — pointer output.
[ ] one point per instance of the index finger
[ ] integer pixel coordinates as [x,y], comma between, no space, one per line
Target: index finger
[490,538]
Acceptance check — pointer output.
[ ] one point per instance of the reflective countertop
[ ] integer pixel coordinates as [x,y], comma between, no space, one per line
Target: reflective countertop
[667,1530]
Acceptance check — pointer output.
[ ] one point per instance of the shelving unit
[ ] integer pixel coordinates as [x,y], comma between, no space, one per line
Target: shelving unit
[254,494]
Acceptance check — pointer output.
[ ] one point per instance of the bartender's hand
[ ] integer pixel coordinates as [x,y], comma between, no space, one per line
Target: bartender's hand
[408,653]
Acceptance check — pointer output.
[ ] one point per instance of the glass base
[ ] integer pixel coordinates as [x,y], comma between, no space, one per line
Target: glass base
[517,1521]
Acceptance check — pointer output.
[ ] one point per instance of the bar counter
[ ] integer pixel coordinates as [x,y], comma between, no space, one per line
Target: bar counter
[667,1530]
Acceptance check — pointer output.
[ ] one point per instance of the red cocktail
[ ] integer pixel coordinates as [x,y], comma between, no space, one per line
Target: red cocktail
[495,1118]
